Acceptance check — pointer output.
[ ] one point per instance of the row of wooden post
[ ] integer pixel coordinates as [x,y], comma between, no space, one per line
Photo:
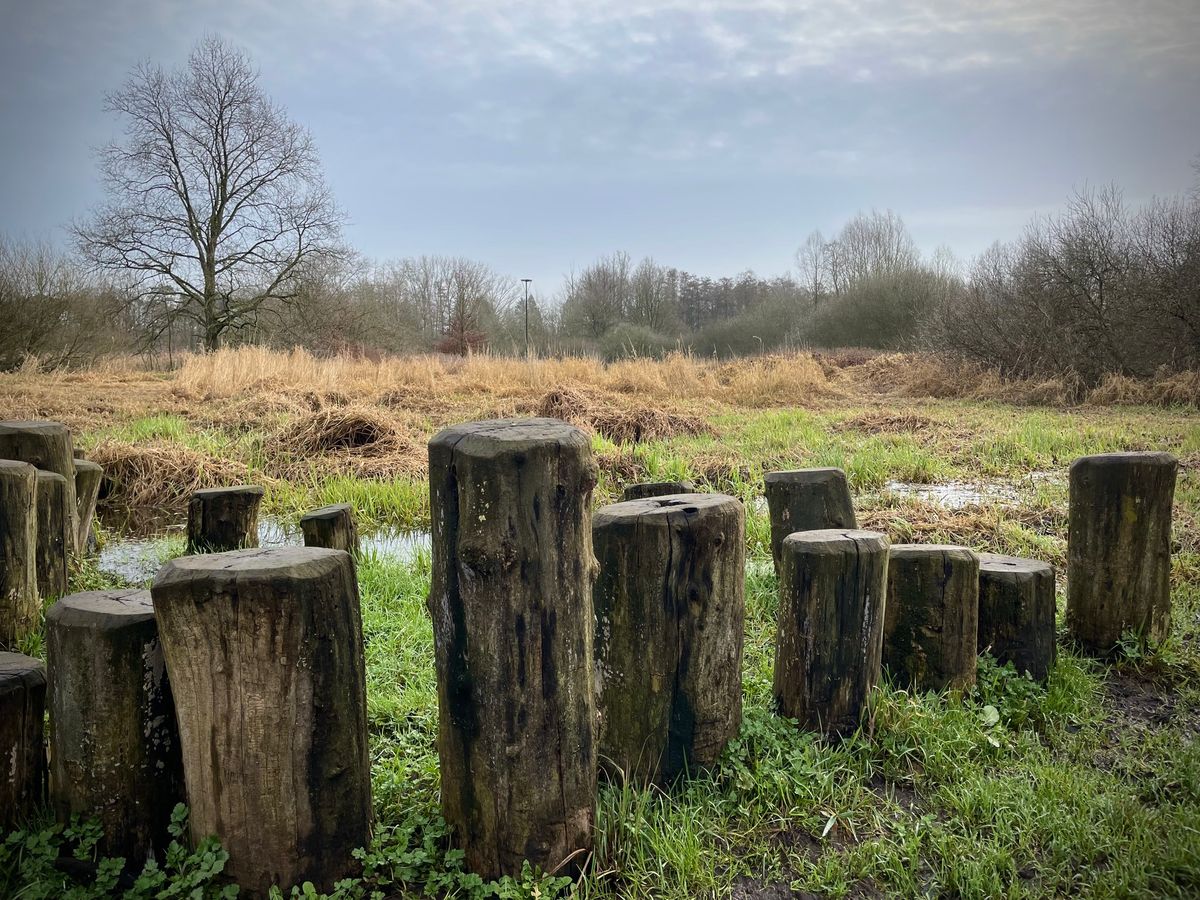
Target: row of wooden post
[565,644]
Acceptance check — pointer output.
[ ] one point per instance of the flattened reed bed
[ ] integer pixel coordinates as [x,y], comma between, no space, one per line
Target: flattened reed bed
[620,424]
[160,474]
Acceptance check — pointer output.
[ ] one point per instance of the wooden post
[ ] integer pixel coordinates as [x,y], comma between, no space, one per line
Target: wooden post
[1016,612]
[88,476]
[54,535]
[932,620]
[265,653]
[20,607]
[221,519]
[829,642]
[332,527]
[670,618]
[114,746]
[807,500]
[656,489]
[44,445]
[22,746]
[511,601]
[1119,548]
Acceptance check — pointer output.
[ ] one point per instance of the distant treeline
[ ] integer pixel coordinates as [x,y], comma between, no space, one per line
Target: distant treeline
[1099,288]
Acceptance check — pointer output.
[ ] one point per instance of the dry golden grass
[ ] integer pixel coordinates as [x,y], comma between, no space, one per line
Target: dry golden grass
[161,474]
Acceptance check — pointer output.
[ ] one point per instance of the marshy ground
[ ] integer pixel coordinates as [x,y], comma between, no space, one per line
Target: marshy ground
[1089,785]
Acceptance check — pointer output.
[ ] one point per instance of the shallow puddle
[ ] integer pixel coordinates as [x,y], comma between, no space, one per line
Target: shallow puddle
[955,494]
[139,545]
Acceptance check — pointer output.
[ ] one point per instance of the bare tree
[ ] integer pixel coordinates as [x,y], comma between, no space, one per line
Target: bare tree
[216,198]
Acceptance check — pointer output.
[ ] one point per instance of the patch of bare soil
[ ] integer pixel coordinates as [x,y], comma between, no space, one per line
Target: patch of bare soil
[1139,701]
[751,889]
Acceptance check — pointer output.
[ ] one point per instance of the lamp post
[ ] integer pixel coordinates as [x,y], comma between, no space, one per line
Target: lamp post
[526,282]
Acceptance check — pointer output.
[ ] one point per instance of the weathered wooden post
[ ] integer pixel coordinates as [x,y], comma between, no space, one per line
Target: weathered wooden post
[931,623]
[22,746]
[1119,548]
[264,650]
[54,536]
[88,476]
[829,641]
[807,500]
[1016,612]
[20,606]
[511,601]
[114,746]
[44,445]
[656,489]
[670,618]
[332,527]
[225,518]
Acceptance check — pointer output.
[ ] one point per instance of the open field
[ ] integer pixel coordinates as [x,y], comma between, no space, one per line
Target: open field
[1088,786]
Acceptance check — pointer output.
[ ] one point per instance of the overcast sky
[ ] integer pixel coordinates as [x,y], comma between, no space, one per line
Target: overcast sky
[712,135]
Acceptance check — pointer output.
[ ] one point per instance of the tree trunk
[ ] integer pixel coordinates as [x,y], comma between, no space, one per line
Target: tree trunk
[511,601]
[20,606]
[829,642]
[53,535]
[1119,548]
[332,527]
[265,653]
[221,519]
[22,744]
[670,619]
[114,745]
[1016,612]
[807,500]
[88,476]
[44,445]
[649,489]
[931,623]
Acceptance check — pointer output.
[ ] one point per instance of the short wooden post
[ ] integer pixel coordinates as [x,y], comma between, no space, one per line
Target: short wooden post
[54,535]
[332,527]
[1119,548]
[48,446]
[114,746]
[807,500]
[20,607]
[225,518]
[829,641]
[511,601]
[931,623]
[22,745]
[1016,612]
[265,653]
[670,619]
[88,476]
[656,489]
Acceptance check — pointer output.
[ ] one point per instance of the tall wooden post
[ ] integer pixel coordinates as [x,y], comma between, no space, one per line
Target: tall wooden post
[1119,548]
[22,746]
[114,746]
[829,642]
[20,607]
[670,620]
[264,649]
[48,446]
[88,476]
[54,537]
[932,621]
[511,602]
[807,500]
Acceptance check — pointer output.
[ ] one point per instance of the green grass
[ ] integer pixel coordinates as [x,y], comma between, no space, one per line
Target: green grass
[1015,790]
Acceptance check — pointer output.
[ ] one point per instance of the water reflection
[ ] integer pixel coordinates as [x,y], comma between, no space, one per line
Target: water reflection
[141,541]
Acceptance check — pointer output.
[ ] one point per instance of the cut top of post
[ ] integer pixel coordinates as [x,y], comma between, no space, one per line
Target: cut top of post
[505,437]
[19,672]
[33,426]
[661,509]
[1017,565]
[1128,457]
[804,476]
[917,551]
[14,467]
[283,564]
[327,512]
[252,489]
[832,540]
[103,610]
